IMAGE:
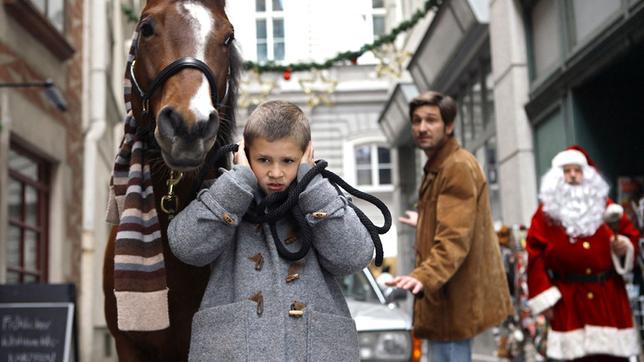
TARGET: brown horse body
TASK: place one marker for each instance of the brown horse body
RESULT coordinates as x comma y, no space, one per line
186,126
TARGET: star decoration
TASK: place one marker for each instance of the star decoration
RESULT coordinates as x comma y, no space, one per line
254,89
318,89
392,60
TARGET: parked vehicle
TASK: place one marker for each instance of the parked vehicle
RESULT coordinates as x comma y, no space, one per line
384,329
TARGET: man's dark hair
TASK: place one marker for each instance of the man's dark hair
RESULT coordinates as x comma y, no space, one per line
445,104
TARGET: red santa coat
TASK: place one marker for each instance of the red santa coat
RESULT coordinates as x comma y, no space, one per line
589,317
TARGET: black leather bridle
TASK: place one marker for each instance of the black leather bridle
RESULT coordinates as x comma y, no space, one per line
172,69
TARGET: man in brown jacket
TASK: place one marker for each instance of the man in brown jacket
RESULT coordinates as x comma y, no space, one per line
459,281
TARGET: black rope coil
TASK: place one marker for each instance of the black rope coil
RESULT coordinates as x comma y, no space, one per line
284,204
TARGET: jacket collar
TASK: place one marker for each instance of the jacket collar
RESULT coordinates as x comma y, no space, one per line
436,161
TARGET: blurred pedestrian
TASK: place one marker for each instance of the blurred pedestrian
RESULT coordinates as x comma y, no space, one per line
574,264
459,281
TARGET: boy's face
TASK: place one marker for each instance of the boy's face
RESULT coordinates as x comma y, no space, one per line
274,164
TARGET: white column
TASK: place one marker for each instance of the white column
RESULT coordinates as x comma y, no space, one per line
94,113
514,135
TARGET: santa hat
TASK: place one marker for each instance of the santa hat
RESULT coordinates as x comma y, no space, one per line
573,155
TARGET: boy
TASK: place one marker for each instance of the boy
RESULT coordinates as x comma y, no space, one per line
259,306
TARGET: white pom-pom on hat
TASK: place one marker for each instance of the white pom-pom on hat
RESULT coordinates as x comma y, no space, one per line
569,157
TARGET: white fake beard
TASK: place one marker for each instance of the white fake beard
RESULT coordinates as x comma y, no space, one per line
579,208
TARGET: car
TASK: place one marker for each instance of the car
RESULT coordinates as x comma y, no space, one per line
384,329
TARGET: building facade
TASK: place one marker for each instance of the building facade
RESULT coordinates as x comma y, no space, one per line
342,103
530,77
41,142
57,145
107,41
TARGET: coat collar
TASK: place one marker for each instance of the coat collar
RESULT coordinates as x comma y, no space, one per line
435,163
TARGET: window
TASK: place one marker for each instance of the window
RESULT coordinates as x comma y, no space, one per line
546,36
476,115
54,10
269,30
28,209
373,165
378,17
592,14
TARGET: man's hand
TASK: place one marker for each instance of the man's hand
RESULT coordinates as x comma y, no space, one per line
619,245
548,314
240,157
307,157
410,218
406,282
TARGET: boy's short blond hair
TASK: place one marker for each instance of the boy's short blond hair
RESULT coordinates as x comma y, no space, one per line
275,120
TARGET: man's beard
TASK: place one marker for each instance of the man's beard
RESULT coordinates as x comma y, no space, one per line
579,208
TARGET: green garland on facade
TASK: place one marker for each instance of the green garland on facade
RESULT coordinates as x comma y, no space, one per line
348,56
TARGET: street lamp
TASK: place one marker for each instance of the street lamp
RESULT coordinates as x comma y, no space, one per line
52,92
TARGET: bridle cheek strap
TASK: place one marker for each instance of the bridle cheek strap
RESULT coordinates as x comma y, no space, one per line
172,69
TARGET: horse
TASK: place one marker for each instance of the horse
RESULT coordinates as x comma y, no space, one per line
185,77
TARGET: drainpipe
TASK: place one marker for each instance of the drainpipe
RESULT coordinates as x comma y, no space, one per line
95,26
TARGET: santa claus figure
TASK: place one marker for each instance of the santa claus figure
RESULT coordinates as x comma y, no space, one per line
575,263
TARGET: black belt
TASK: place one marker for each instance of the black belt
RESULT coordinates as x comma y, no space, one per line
582,278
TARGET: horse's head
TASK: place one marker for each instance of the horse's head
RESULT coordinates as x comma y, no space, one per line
184,78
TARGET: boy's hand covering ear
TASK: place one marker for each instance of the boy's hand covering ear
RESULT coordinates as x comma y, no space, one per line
307,157
240,157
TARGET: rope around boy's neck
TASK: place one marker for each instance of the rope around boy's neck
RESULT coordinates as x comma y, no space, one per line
285,203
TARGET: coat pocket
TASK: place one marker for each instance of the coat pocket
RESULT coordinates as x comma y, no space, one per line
220,333
331,338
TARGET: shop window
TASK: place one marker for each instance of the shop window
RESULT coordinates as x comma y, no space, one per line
269,30
550,138
373,165
28,202
475,99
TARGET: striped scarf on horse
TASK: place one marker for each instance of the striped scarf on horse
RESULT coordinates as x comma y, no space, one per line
139,269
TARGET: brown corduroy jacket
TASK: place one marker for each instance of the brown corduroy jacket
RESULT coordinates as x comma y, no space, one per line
457,253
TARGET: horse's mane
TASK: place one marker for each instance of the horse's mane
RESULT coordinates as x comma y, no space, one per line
228,122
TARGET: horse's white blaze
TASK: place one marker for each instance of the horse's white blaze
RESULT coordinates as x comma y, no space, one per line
202,24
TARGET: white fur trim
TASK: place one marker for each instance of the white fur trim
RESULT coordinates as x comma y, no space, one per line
593,340
544,300
628,261
142,311
569,157
613,212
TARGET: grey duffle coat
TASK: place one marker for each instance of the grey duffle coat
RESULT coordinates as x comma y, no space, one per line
259,306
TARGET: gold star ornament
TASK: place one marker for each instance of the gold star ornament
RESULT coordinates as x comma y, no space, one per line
391,60
254,88
318,89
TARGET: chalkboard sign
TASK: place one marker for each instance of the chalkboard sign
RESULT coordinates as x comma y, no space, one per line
37,323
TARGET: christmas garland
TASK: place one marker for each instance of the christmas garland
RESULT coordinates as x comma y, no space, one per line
347,56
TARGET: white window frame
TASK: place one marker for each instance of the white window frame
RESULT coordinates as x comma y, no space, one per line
376,12
268,16
351,169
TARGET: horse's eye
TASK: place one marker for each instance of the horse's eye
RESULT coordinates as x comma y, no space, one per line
229,39
147,29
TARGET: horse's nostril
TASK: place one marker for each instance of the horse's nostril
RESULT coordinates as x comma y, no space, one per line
169,122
